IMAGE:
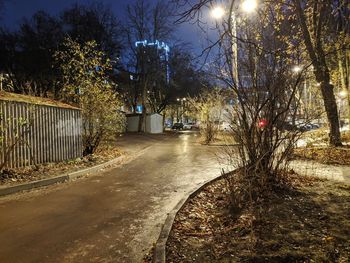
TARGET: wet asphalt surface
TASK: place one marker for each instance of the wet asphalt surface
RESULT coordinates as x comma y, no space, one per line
114,216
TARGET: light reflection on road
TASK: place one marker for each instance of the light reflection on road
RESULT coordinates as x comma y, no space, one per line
185,143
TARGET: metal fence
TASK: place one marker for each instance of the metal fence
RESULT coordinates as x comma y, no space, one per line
38,133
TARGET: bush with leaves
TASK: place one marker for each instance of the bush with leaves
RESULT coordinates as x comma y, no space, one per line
85,82
209,107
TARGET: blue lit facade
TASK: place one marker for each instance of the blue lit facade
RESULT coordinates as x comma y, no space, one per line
163,51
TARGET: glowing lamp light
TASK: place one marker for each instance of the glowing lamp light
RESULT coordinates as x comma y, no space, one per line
249,6
262,123
218,12
297,69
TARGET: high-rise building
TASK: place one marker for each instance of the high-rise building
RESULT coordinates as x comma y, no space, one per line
153,58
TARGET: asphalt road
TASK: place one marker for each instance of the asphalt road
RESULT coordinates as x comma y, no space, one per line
111,217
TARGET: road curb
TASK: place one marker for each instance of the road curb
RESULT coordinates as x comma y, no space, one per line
159,253
94,169
31,185
58,179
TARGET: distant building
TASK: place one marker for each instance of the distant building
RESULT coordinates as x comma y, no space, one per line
153,57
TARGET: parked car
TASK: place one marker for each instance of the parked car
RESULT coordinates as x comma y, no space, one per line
188,126
195,126
167,125
178,126
308,127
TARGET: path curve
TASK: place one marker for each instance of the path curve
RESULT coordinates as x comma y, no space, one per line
113,217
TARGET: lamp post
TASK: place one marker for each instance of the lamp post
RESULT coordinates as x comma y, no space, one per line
177,110
248,6
183,110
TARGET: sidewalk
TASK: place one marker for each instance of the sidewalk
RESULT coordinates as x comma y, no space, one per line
325,171
131,144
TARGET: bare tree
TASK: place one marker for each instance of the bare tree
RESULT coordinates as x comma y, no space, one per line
312,34
340,31
94,22
151,24
263,93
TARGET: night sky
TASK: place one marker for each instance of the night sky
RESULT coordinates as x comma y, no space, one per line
15,10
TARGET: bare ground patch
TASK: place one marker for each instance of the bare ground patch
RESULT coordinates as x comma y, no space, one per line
309,222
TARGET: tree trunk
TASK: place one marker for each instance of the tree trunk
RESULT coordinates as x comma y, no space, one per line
142,123
321,71
332,113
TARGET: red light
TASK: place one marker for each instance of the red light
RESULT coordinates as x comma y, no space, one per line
262,123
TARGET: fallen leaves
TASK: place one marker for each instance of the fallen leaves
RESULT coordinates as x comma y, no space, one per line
307,224
327,155
48,170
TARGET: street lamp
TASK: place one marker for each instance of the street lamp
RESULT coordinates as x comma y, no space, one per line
297,69
248,6
218,12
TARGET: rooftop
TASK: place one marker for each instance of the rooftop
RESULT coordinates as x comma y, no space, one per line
8,96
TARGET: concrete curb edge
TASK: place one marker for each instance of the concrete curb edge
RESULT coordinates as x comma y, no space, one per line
58,179
94,169
159,253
